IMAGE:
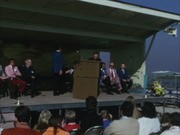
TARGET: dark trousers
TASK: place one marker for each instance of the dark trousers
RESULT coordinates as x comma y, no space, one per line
31,84
59,84
107,83
126,85
3,88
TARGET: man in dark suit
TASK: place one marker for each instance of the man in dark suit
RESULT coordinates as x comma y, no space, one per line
105,79
57,70
125,79
95,57
28,75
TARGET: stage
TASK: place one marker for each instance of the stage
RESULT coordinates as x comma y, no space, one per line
47,101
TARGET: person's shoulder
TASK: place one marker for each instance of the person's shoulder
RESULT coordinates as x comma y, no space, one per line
9,131
62,132
35,132
167,132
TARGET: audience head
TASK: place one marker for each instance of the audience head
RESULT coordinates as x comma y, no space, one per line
127,109
149,110
131,99
123,66
23,114
111,65
44,116
91,102
95,55
105,115
175,119
165,121
70,116
55,121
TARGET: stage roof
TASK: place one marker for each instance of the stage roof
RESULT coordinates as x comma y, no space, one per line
93,23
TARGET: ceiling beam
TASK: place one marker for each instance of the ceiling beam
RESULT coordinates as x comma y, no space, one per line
76,16
68,31
134,8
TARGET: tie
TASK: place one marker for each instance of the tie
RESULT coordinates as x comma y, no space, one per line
112,75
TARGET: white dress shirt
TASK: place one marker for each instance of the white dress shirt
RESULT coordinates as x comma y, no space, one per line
174,130
148,125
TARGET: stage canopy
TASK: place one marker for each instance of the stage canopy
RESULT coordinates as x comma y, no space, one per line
93,23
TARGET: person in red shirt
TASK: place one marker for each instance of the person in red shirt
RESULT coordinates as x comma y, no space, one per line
70,117
23,115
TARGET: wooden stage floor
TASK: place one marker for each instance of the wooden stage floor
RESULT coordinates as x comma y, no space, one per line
47,101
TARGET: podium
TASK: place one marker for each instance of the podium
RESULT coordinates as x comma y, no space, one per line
86,75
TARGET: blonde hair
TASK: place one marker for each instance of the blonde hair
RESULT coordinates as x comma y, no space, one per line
70,115
44,116
105,115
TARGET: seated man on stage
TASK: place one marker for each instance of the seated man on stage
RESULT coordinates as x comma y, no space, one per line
125,79
28,75
105,79
112,73
14,75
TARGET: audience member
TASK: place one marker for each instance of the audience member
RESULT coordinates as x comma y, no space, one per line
1,129
90,118
112,73
28,75
70,124
165,121
136,113
126,125
42,124
107,118
95,57
23,115
14,75
175,125
57,70
105,79
125,79
55,127
149,123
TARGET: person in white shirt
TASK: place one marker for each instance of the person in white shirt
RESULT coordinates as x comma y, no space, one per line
126,125
175,125
148,123
1,129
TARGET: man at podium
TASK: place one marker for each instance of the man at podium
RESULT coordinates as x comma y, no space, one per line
95,57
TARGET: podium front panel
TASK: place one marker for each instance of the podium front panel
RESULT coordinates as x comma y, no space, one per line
84,87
